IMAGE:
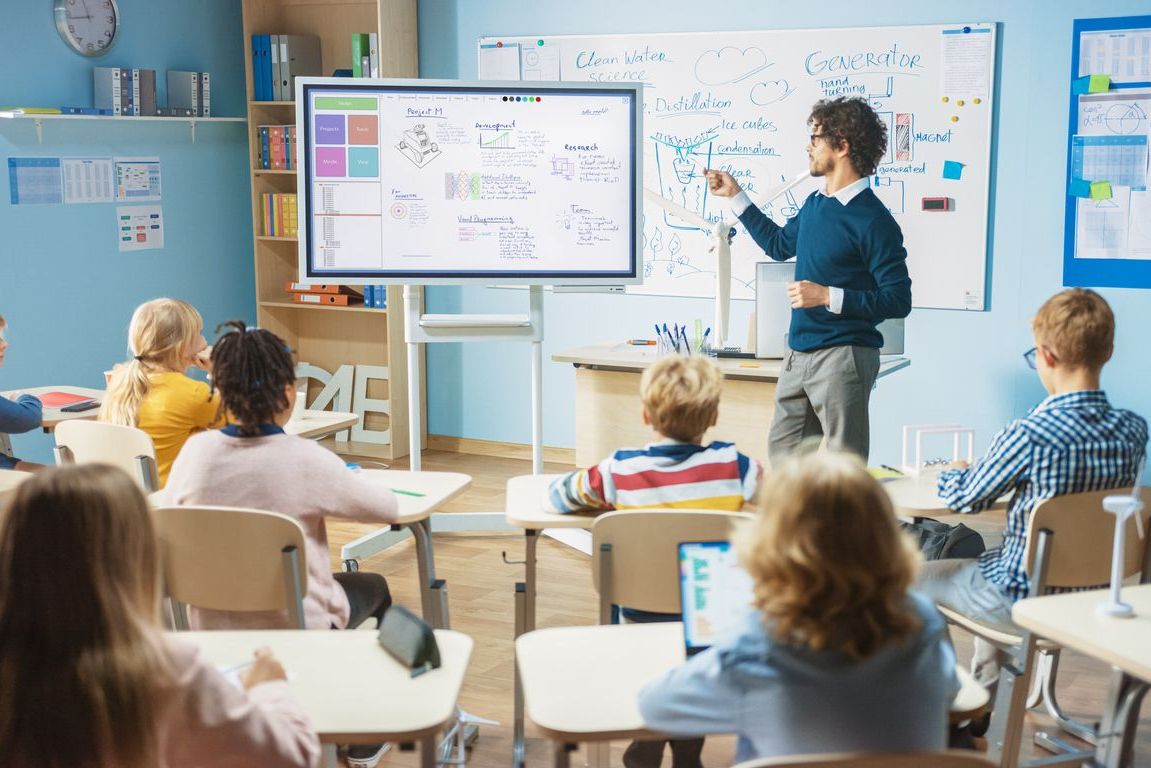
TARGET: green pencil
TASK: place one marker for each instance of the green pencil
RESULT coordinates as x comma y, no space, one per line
402,492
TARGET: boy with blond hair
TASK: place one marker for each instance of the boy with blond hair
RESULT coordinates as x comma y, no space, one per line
681,402
1072,442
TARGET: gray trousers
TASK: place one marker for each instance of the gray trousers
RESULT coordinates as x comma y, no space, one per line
961,586
824,394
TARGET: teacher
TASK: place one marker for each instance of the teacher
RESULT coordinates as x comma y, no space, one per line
851,274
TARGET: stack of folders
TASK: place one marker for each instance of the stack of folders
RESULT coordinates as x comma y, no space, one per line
376,296
277,147
189,94
324,295
121,91
365,54
279,214
277,60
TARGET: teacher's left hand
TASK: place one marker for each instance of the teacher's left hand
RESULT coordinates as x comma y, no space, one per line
804,294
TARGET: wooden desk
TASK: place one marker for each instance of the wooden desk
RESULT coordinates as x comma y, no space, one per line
607,408
582,683
317,424
1073,621
350,688
918,496
437,488
53,416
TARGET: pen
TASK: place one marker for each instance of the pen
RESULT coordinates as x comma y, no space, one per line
890,469
683,335
402,492
640,342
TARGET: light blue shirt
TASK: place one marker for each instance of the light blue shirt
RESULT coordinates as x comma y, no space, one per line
784,700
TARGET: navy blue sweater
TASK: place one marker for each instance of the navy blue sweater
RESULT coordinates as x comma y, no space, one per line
857,247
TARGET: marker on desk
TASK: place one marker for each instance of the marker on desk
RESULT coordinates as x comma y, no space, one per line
890,469
749,365
641,342
402,492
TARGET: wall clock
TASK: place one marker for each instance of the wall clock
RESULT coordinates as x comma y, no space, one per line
88,26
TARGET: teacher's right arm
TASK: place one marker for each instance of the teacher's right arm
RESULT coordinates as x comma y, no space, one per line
776,241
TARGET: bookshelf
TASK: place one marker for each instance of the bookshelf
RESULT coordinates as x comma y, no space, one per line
328,336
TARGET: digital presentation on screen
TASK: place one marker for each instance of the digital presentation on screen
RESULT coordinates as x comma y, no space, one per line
469,182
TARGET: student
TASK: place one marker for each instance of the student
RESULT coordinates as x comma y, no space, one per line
88,678
850,274
18,413
836,655
1073,441
151,391
681,402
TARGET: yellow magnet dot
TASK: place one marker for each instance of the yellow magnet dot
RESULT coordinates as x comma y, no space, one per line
946,99
955,118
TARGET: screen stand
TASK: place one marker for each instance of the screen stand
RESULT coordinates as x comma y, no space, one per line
422,328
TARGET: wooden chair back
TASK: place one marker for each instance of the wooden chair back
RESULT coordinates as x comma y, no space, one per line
229,559
90,442
635,554
1082,538
952,758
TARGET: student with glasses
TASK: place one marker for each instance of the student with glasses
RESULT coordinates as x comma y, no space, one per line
1072,442
850,275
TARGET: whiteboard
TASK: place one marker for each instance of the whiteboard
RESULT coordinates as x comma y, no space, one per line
427,181
739,101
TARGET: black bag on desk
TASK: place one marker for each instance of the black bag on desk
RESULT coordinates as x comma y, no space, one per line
409,639
940,541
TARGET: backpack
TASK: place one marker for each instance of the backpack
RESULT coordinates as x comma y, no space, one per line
940,541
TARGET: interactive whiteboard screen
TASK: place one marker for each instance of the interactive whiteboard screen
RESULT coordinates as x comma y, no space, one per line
426,182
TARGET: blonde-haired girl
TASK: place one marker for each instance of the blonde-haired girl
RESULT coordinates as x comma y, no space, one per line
836,654
151,391
88,677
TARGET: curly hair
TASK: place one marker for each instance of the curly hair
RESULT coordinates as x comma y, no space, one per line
830,567
852,119
252,369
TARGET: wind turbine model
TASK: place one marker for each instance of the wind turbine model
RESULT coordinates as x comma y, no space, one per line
1122,507
721,233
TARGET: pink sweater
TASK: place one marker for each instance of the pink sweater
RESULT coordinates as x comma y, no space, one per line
210,722
286,474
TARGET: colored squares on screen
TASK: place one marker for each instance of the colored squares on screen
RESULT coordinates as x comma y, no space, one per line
363,129
330,129
363,162
330,161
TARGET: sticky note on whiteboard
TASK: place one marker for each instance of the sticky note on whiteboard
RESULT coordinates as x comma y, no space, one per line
1098,83
1100,190
952,169
1079,188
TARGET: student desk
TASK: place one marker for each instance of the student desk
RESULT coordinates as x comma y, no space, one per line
10,480
1073,621
918,496
350,688
608,408
582,683
53,416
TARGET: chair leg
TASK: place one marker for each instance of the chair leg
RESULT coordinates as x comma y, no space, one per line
1049,668
1038,680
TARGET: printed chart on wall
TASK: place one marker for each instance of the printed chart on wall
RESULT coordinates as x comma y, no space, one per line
739,102
1108,212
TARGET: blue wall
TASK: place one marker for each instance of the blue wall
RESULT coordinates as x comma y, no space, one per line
966,367
67,292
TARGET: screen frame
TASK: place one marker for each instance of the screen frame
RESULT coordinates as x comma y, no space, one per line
304,85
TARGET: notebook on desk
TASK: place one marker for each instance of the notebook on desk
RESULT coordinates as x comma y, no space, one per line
60,399
714,592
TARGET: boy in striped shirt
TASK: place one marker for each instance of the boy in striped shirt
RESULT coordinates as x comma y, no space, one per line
1072,442
681,402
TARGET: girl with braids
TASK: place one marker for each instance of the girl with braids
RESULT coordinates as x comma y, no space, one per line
88,678
253,463
151,391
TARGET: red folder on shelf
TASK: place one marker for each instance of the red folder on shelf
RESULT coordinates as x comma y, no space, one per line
60,399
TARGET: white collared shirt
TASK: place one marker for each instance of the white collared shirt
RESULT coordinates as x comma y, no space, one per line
844,195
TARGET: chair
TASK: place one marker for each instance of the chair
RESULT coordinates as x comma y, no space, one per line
952,758
1069,545
89,442
228,559
629,547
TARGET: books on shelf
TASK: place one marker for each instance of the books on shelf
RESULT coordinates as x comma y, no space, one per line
331,294
278,59
277,150
279,214
376,296
123,91
191,91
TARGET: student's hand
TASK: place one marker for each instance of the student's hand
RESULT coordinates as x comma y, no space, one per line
804,294
721,184
203,359
265,669
957,464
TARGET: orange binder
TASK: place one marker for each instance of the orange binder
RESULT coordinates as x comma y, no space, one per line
291,287
326,299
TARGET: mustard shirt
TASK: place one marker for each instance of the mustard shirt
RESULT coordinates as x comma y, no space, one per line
176,407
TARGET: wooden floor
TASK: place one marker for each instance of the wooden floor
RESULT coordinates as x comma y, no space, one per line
480,590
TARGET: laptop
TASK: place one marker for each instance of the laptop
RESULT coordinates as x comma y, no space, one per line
714,592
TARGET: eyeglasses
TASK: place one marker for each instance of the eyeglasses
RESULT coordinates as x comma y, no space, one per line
1029,356
813,136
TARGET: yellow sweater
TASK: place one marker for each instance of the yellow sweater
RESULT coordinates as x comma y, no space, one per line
176,407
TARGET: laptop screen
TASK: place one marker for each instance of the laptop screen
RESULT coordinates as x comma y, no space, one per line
714,592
